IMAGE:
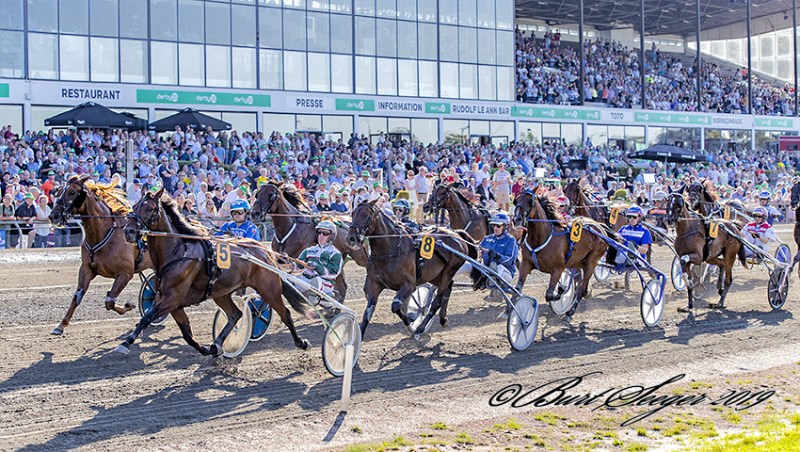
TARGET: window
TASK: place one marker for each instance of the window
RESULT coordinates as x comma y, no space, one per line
407,78
218,66
104,18
341,34
486,13
318,5
407,39
365,36
12,17
505,83
300,4
448,11
166,71
133,61
308,123
448,43
163,19
338,124
427,36
190,21
426,11
74,52
505,48
294,34
407,10
270,28
218,23
425,131
12,115
487,82
294,69
341,6
387,76
42,16
135,23
365,75
505,14
318,32
278,123
319,72
386,37
244,25
105,59
428,79
12,64
365,7
341,73
468,45
388,8
448,76
468,81
271,64
244,68
191,59
467,13
73,16
486,47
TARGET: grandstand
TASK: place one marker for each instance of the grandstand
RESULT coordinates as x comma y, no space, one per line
433,70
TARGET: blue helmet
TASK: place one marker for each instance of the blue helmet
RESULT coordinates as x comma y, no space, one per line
634,210
403,204
500,218
760,211
240,204
765,195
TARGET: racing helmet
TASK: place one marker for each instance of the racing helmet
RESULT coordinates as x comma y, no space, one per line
761,211
499,218
240,204
402,204
564,201
634,210
327,225
765,194
659,196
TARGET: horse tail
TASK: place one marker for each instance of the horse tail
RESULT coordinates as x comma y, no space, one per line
295,299
742,255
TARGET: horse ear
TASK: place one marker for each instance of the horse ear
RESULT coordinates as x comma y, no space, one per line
278,184
82,179
159,193
144,190
373,202
682,190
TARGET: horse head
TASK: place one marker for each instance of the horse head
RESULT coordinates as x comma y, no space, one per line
572,191
266,195
676,205
69,200
523,205
363,222
437,199
145,216
795,198
696,195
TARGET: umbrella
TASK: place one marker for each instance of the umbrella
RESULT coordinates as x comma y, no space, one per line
92,115
189,117
138,123
667,153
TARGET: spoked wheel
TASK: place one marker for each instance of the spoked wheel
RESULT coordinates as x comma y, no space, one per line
652,303
601,271
419,303
676,275
147,299
238,338
343,331
699,280
783,254
262,318
522,323
568,284
778,288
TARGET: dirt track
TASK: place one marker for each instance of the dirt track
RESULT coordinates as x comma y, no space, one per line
75,392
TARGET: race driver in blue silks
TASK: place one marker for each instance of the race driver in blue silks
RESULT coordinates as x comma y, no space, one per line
500,249
240,226
636,236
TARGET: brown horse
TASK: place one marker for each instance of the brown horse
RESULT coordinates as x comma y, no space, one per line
464,214
101,209
694,246
584,206
795,205
549,249
294,226
394,263
184,262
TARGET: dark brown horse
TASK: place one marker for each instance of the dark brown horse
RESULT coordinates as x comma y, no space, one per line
584,206
549,249
294,226
102,209
694,246
464,214
184,262
795,205
394,262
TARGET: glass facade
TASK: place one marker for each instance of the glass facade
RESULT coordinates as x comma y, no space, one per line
460,49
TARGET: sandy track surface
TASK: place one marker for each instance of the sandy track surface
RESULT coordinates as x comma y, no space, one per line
75,392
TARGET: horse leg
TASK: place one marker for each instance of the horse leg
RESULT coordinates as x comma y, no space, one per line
442,296
278,307
85,276
340,286
372,289
686,264
730,259
186,330
550,294
525,268
233,313
444,303
160,308
399,302
120,282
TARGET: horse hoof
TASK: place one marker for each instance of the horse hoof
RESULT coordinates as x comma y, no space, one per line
214,350
685,309
122,349
551,297
443,322
129,306
716,306
205,350
57,331
397,307
304,344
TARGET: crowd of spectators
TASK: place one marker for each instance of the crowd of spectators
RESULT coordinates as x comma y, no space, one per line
206,171
548,71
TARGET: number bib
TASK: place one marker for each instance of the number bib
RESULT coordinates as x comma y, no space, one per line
613,217
223,255
713,229
576,231
426,247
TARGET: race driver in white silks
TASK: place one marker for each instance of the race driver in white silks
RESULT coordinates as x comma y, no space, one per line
323,262
759,232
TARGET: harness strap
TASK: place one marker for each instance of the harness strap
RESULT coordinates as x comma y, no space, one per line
286,237
102,243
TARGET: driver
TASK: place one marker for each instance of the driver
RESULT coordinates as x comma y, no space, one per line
402,210
759,232
500,249
636,236
323,261
763,201
240,226
563,208
658,212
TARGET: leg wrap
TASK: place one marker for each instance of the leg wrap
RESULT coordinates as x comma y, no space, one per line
79,296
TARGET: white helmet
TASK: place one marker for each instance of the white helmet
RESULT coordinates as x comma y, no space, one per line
328,226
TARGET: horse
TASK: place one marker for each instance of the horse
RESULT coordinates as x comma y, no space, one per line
584,206
102,209
294,226
694,246
464,214
703,198
548,247
187,274
795,205
394,263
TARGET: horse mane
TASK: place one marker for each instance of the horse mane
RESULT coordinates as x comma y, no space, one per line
295,198
113,197
709,191
550,208
183,225
462,197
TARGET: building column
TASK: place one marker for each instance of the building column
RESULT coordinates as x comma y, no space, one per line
440,122
26,117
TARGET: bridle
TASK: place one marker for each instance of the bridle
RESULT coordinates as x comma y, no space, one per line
361,231
68,210
143,226
266,207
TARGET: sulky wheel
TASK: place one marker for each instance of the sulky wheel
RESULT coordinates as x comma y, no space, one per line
652,303
343,331
147,299
778,288
522,323
676,275
262,317
419,304
783,254
239,336
601,271
567,286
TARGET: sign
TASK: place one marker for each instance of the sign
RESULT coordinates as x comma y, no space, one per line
355,104
713,229
672,118
568,114
90,94
166,96
480,109
576,231
616,115
5,91
223,255
788,143
427,246
309,103
437,108
613,217
400,106
782,123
